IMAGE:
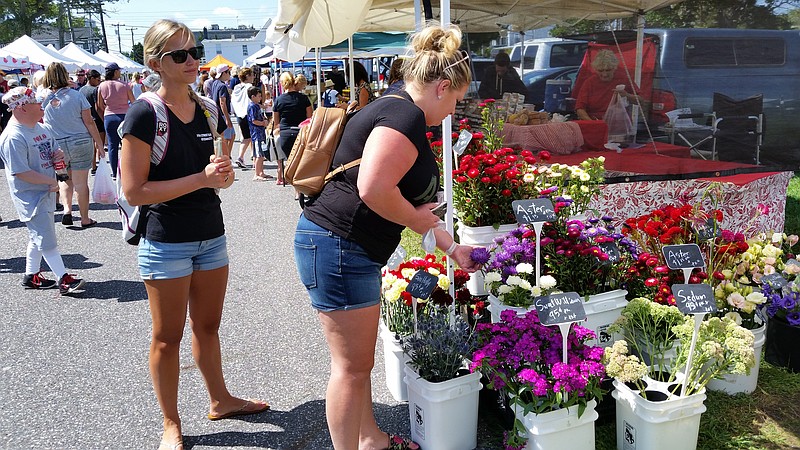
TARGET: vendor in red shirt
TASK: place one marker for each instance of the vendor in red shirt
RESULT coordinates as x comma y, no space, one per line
595,94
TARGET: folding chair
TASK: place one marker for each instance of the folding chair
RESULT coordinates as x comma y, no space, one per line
739,128
682,125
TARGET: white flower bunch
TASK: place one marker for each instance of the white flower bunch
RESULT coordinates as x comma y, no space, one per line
517,290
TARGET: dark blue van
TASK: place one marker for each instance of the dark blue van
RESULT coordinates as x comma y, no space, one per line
694,63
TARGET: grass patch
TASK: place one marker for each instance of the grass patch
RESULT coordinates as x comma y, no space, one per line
792,223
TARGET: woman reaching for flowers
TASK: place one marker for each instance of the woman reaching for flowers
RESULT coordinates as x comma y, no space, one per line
349,231
183,257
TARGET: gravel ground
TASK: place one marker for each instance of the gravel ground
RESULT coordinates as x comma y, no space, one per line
73,370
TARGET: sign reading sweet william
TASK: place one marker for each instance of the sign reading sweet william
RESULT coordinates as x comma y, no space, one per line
683,256
694,298
533,210
554,309
422,284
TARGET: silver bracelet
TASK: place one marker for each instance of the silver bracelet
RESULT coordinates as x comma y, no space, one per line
451,249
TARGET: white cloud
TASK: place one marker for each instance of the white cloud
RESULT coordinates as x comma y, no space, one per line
199,24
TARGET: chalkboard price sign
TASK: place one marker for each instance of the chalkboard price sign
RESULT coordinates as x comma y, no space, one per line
775,280
397,258
534,210
792,262
683,256
422,285
708,230
463,140
694,298
554,309
610,249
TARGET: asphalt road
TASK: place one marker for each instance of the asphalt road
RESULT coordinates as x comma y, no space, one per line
73,370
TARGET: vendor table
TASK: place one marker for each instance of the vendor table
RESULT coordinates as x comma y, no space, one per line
750,202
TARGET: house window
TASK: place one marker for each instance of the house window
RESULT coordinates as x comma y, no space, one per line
219,49
244,50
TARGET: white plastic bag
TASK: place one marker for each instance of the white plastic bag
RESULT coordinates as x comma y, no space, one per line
620,127
104,191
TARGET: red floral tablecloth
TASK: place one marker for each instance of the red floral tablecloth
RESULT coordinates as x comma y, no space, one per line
758,205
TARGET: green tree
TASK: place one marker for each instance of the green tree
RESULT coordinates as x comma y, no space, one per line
136,53
764,14
24,16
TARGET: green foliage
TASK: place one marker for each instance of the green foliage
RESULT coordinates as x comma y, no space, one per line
792,225
24,16
766,14
136,53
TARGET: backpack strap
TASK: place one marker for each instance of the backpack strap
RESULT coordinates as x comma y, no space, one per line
161,139
342,167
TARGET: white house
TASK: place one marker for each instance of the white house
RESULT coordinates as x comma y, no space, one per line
236,47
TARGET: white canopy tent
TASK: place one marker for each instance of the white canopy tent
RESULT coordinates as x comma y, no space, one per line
13,61
39,54
91,61
263,56
122,61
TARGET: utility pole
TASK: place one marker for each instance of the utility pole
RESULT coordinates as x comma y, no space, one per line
119,39
131,30
102,24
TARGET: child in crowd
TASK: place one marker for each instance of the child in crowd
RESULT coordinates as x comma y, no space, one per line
257,133
27,149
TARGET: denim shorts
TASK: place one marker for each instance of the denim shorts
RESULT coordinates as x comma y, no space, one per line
79,151
229,133
260,149
168,260
337,273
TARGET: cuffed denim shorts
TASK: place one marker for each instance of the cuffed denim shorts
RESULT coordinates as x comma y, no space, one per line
168,260
229,133
337,273
79,150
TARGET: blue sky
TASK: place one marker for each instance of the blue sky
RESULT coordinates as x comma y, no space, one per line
140,14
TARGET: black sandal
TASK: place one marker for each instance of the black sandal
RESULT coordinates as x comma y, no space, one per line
398,443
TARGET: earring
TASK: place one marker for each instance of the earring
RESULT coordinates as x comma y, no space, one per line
439,97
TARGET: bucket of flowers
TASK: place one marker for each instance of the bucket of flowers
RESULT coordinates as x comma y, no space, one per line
397,314
440,387
654,402
553,400
782,306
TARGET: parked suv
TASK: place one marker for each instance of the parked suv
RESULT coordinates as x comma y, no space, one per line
546,53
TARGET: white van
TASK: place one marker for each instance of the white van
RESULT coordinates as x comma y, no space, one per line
546,53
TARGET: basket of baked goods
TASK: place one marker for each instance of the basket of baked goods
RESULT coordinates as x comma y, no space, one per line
528,117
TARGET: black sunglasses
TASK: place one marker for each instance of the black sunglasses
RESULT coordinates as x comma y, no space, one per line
179,56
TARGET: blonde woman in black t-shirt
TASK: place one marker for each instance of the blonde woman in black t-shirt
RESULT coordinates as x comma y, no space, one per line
182,257
348,232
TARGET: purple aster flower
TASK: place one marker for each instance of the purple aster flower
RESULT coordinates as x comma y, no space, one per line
480,255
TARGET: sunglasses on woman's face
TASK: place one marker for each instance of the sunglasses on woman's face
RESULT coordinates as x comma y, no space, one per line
179,56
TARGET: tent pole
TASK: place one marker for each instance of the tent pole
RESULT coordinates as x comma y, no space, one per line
417,15
319,77
637,71
447,154
352,79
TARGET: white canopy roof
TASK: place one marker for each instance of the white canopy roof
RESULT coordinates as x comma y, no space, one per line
303,24
262,56
122,61
11,61
90,61
39,54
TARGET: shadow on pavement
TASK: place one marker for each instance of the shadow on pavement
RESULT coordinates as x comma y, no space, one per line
120,290
303,428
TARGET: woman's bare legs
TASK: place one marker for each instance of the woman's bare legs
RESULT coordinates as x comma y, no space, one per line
351,337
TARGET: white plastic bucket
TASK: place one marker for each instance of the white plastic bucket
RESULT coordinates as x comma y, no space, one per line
734,384
444,416
673,424
602,310
394,364
496,307
561,429
482,236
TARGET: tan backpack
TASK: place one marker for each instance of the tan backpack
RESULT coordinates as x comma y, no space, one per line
308,166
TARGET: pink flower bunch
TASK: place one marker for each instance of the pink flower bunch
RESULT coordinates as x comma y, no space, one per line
524,357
